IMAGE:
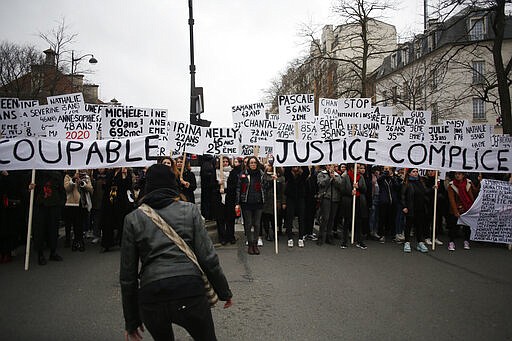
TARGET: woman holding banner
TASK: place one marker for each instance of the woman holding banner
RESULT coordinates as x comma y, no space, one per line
188,182
219,199
414,201
461,197
250,197
329,193
350,191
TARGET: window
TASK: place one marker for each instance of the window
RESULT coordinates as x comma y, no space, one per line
477,28
405,56
435,114
393,61
478,71
433,78
405,91
478,109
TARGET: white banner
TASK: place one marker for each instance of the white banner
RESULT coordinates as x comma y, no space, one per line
398,154
490,217
42,153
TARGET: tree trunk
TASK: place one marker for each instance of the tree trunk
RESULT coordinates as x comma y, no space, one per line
501,77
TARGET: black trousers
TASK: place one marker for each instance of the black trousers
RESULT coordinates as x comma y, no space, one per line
192,313
46,227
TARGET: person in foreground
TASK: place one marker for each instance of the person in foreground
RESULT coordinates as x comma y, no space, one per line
167,287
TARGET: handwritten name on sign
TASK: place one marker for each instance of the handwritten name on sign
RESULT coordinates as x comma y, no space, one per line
221,141
478,136
10,125
296,108
248,111
121,121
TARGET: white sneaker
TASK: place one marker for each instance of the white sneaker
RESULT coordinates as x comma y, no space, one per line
290,242
300,243
438,242
428,241
260,241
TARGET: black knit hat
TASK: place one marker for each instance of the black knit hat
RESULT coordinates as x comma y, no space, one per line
160,176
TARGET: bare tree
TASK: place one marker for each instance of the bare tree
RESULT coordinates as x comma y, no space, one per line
494,11
15,62
360,44
59,40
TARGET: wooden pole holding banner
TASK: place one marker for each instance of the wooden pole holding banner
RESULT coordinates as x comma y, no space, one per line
30,214
354,205
221,174
434,221
184,157
275,208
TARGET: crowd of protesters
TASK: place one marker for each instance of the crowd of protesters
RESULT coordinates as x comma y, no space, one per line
377,203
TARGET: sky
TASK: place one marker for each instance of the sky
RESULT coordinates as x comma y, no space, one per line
142,47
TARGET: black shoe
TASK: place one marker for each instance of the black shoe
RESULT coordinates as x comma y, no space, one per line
104,249
362,245
343,245
233,241
41,260
74,246
55,257
223,243
81,246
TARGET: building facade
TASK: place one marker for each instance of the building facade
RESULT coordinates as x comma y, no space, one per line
449,70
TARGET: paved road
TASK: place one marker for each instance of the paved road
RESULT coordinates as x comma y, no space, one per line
315,293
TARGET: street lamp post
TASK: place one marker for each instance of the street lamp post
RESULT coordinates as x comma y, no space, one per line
196,93
74,60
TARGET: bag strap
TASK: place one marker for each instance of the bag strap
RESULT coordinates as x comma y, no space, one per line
171,233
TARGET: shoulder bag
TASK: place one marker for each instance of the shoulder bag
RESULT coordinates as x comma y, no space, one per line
169,232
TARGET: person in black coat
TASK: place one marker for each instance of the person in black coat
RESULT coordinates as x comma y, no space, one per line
49,199
187,182
230,204
295,200
389,194
115,206
414,206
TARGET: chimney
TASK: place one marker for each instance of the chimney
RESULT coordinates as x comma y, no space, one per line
50,57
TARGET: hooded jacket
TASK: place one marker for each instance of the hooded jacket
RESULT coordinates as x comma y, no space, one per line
160,258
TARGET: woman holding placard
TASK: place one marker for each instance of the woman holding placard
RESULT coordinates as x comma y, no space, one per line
250,198
461,197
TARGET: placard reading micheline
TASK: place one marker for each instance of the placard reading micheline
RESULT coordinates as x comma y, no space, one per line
65,134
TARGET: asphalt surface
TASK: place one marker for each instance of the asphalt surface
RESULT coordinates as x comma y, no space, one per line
314,293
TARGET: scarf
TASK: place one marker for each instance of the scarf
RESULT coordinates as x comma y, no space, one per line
465,199
350,174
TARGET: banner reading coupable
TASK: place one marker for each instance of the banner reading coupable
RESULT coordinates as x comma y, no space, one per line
42,153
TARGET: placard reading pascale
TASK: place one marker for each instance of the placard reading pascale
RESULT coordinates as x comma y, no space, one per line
296,108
